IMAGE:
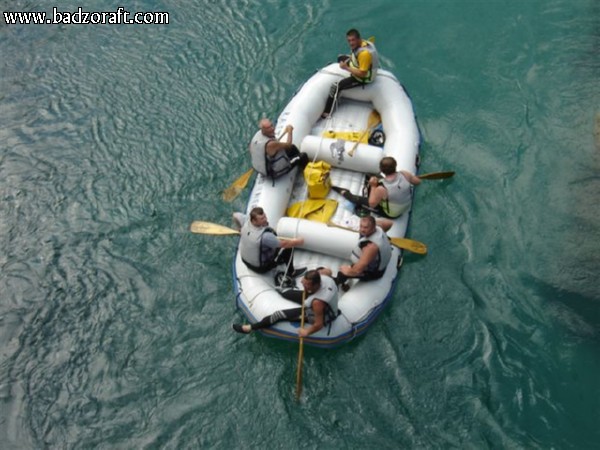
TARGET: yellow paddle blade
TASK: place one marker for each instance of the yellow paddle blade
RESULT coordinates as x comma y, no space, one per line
410,245
214,229
436,175
371,39
238,186
200,227
373,120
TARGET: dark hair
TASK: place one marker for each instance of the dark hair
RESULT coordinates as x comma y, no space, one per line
370,219
387,165
255,212
353,32
313,276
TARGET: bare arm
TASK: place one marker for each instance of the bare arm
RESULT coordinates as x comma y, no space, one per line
289,243
318,308
325,271
384,224
412,179
377,195
364,63
376,192
274,146
369,252
353,70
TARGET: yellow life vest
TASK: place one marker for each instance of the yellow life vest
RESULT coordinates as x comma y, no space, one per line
366,46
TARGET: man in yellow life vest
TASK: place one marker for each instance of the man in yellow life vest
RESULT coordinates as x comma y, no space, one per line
362,64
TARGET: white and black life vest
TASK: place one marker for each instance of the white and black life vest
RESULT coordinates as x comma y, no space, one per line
384,251
271,166
328,293
399,196
255,254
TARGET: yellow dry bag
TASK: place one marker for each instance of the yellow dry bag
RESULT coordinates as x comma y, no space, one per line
316,175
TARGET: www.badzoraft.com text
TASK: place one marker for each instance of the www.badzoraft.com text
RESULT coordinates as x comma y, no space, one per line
81,17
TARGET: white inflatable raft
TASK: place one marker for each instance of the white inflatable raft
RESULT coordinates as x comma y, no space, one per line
324,245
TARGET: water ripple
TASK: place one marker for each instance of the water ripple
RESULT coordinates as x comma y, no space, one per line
115,320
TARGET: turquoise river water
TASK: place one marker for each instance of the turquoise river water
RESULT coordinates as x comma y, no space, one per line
115,320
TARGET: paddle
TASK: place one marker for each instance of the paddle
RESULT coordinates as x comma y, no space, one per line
200,227
372,122
214,229
406,244
240,184
436,175
300,352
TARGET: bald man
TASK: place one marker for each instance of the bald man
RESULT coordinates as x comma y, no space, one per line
272,158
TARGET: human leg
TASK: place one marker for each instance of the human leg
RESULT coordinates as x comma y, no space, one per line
286,256
292,314
341,278
345,83
294,295
297,158
278,316
361,202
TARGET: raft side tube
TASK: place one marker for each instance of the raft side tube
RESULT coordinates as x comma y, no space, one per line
318,237
365,158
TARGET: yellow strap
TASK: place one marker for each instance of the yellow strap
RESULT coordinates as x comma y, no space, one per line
351,136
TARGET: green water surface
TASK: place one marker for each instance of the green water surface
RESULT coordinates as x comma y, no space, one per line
115,320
